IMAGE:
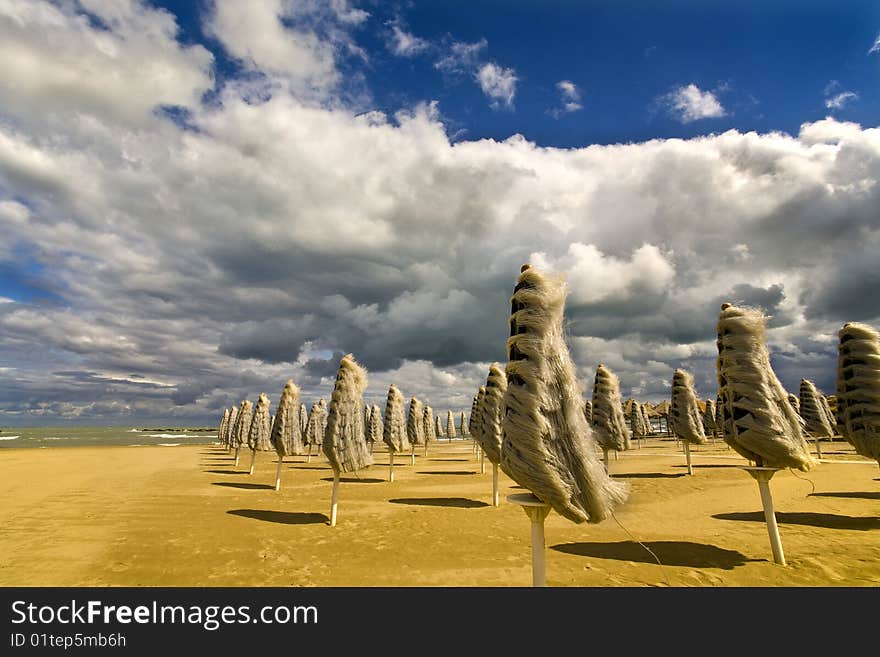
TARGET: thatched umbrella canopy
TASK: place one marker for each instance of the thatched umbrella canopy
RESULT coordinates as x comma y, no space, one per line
491,411
817,422
858,387
303,418
475,404
221,430
476,426
286,435
795,402
643,409
260,432
439,427
637,423
428,424
609,423
344,444
684,415
588,411
709,418
415,423
242,424
450,425
375,434
547,445
394,431
316,423
230,426
462,424
758,421
719,416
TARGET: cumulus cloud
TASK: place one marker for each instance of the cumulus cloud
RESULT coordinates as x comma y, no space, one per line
689,103
498,83
189,267
405,44
570,98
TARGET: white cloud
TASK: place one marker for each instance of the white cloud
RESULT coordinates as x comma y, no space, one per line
461,57
689,103
498,83
405,44
570,97
838,101
876,46
828,131
55,60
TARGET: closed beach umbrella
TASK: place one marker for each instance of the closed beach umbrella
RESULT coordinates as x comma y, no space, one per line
817,420
315,426
450,425
439,427
303,418
394,430
375,426
684,413
344,444
709,418
415,426
759,422
609,423
462,424
858,387
259,435
588,411
547,445
491,415
428,426
795,402
221,430
242,426
286,436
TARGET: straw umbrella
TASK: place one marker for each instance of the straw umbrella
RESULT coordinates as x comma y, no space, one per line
684,413
795,402
476,426
375,426
286,434
260,430
242,426
428,424
438,425
759,422
547,445
394,430
415,426
588,411
230,425
344,444
462,424
491,414
303,418
709,420
609,423
637,422
858,387
221,430
817,423
450,426
315,426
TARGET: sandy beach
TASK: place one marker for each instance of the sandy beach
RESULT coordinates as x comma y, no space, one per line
184,516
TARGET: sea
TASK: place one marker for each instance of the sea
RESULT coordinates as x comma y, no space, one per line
42,437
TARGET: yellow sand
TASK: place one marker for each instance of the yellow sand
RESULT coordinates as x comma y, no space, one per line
181,516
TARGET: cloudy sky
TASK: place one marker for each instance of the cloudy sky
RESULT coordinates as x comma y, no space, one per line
201,200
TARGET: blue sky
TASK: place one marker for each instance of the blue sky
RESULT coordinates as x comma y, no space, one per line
771,65
216,196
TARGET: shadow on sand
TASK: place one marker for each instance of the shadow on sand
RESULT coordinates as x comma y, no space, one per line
448,472
311,467
356,480
235,484
828,520
649,475
226,472
670,553
709,465
457,502
282,517
451,460
859,495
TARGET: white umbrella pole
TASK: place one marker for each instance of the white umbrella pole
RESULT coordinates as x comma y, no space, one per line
309,455
763,476
482,463
494,484
426,450
687,455
278,474
536,510
236,457
391,468
818,448
253,460
334,498
412,455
